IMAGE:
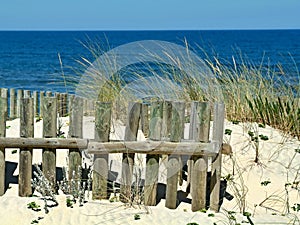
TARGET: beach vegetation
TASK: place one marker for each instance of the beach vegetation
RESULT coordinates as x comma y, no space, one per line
260,93
14,151
34,206
137,217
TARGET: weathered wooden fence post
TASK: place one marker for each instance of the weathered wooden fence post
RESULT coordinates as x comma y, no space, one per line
166,123
12,103
134,112
20,95
42,96
152,161
25,160
145,120
3,116
49,131
199,131
75,131
64,104
58,100
102,131
217,139
35,103
174,164
27,93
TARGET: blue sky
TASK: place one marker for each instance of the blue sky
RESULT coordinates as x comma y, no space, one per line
148,14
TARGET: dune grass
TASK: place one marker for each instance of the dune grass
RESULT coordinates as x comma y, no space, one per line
251,93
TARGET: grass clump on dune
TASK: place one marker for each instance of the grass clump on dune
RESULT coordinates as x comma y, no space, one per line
251,93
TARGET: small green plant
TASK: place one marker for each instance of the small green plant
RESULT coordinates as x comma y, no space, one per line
14,151
228,131
251,133
69,202
235,122
297,150
7,127
203,210
33,206
296,207
211,215
263,137
114,199
265,183
137,217
261,125
192,223
34,222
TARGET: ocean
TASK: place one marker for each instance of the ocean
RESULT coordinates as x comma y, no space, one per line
29,59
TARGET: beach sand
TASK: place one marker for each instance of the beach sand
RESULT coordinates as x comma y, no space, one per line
264,189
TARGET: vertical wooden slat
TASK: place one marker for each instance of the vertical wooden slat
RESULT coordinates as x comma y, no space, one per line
42,96
64,104
102,131
27,94
25,160
48,94
58,99
134,111
75,131
49,131
35,103
166,123
199,131
145,120
20,95
174,164
3,116
217,139
152,161
12,103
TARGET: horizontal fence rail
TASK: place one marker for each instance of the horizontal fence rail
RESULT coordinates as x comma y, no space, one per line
98,148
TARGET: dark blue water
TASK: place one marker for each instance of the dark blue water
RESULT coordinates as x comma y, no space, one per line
29,59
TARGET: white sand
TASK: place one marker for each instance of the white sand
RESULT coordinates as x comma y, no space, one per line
278,163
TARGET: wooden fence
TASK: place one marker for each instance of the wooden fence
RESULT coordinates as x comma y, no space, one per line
14,97
164,123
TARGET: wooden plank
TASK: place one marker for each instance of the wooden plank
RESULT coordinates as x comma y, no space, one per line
174,163
27,93
36,103
145,120
58,100
166,122
152,161
20,94
64,104
49,131
52,143
198,183
102,132
134,111
42,96
3,116
12,103
25,158
75,131
199,131
217,139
